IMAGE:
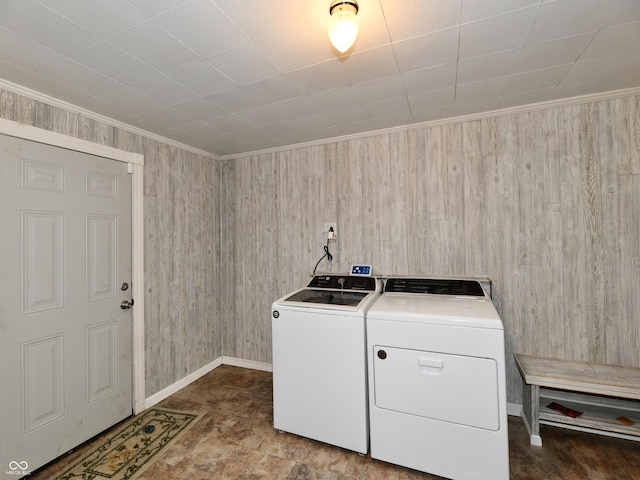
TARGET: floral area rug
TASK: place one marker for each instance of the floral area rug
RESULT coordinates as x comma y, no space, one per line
127,452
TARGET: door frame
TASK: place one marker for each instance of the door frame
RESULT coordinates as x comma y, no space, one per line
135,166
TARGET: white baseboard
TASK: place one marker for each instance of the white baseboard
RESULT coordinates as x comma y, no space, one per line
514,409
180,384
192,377
239,362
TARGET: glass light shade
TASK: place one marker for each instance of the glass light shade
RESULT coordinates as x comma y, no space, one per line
343,26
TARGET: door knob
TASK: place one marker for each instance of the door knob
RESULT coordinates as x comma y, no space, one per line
126,305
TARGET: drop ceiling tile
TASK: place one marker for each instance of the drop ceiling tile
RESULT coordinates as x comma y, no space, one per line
369,65
21,52
427,50
20,76
153,46
244,64
235,100
600,68
431,99
483,105
536,80
554,52
562,18
431,78
496,34
414,18
319,77
163,89
129,99
526,98
57,90
397,107
109,60
295,48
614,40
228,123
480,9
390,121
357,127
620,11
102,18
41,25
78,77
487,66
274,89
257,18
168,116
286,132
201,108
316,122
484,89
296,107
431,114
350,114
154,7
586,87
110,110
634,66
336,98
202,27
260,116
199,128
201,77
379,89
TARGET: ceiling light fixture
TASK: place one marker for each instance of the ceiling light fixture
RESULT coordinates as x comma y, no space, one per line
343,26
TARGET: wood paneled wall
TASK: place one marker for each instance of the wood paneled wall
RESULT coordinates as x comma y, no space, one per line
182,254
545,203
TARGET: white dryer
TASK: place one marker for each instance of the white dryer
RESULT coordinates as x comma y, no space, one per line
320,361
437,389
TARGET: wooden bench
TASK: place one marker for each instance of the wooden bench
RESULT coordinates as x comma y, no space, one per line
607,395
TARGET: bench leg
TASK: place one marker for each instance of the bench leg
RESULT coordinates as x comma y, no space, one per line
531,412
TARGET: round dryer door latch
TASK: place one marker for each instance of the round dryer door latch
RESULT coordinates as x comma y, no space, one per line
382,354
275,314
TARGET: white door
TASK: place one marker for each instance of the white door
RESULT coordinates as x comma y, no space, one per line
65,341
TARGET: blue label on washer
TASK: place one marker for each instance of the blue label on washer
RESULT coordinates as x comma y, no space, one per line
361,270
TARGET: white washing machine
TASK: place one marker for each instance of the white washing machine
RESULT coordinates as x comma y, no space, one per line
437,388
320,362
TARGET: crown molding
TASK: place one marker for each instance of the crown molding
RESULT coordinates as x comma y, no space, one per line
55,102
532,107
593,97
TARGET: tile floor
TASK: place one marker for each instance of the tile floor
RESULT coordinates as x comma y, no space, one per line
235,440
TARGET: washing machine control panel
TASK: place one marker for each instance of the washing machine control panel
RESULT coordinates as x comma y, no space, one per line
361,270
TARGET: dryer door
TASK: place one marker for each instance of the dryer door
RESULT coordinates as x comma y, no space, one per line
440,386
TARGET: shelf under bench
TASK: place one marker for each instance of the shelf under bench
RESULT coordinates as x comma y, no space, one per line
604,393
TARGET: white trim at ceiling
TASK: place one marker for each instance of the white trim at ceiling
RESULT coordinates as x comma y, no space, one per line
135,163
592,97
54,102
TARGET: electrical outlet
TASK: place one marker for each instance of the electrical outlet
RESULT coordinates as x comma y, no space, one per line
330,231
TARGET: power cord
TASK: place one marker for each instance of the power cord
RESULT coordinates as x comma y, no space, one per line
327,254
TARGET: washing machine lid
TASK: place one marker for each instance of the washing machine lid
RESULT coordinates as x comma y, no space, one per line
436,301
327,297
341,292
435,286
